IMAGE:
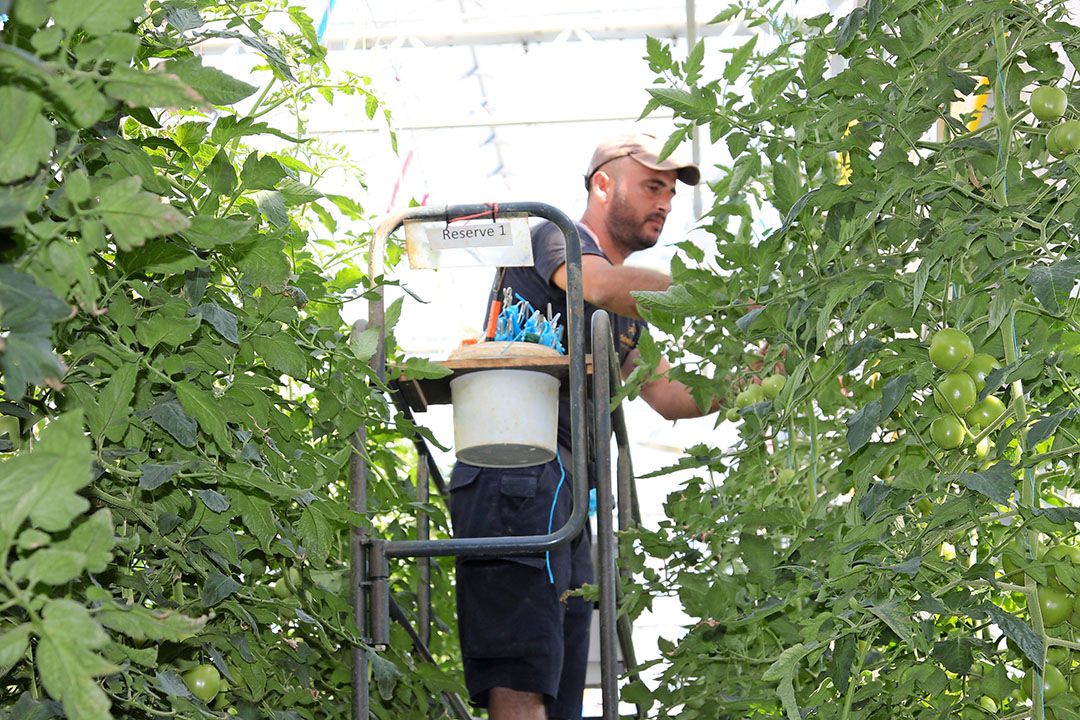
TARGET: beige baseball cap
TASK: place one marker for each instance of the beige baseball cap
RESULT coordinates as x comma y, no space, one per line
645,149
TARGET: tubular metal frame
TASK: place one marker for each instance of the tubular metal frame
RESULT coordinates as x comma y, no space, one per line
372,605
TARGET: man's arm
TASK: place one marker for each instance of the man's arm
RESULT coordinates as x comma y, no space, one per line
669,398
608,286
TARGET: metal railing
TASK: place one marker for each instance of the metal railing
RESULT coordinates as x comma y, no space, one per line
373,608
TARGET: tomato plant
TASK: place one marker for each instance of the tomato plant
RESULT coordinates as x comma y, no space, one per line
887,199
172,276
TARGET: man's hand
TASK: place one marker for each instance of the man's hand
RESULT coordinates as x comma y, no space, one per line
669,398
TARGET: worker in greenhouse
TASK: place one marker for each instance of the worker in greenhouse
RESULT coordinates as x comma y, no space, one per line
525,646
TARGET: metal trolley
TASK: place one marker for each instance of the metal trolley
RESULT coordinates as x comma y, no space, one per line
372,605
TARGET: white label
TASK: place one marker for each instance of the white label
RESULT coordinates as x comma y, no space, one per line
479,242
470,234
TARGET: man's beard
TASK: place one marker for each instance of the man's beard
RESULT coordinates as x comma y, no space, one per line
627,228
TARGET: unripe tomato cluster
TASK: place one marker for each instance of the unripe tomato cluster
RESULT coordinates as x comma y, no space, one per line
769,388
1058,605
1049,104
956,391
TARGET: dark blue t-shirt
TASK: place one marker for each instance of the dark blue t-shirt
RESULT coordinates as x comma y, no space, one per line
535,285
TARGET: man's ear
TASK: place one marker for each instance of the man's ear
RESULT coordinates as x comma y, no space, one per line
602,185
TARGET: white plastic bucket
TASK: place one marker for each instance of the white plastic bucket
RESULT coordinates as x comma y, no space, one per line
505,418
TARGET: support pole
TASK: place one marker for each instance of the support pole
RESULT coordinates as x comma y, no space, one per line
605,530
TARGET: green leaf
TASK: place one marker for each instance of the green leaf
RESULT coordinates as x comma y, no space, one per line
955,654
94,539
848,28
757,552
1044,427
139,623
67,664
315,533
748,319
215,86
861,425
133,215
140,88
272,205
1018,631
41,484
213,500
385,674
154,475
676,300
163,330
418,368
26,137
208,233
282,354
218,587
783,671
997,482
160,258
51,566
843,656
170,416
258,517
220,175
28,311
97,17
893,394
13,646
294,192
898,618
734,67
109,417
1051,283
364,344
202,406
222,320
264,263
261,173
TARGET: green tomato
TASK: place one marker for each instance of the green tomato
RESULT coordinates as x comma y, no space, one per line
1057,655
1059,555
986,412
947,432
1055,142
982,449
1048,103
750,396
1053,683
772,385
924,506
1069,136
733,415
955,393
980,366
203,681
1074,683
1056,606
951,349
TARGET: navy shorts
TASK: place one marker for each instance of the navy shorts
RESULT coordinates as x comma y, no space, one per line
516,629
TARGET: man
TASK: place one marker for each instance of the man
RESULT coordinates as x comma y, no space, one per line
524,646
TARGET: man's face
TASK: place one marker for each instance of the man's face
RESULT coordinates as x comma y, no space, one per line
639,204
